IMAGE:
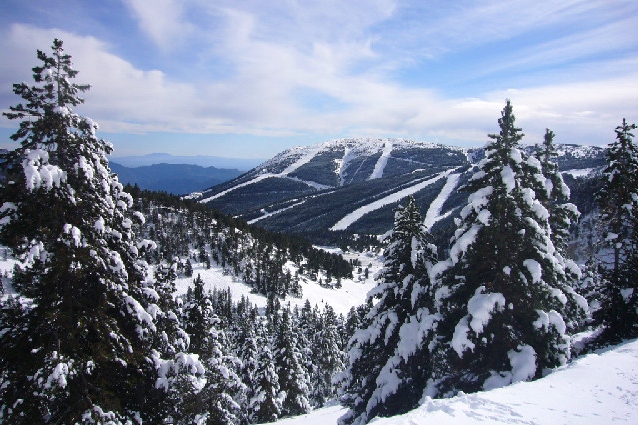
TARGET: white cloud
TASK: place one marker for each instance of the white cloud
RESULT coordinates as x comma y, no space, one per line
161,20
307,68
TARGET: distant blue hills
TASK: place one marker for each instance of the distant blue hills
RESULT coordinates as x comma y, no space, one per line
179,175
178,179
241,164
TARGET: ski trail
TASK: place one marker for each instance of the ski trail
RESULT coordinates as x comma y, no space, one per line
270,214
222,193
434,212
382,161
346,221
292,167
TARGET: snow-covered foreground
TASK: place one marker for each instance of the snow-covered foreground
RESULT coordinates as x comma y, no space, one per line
597,389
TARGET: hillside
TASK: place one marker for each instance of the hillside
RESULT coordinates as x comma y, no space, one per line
351,186
595,389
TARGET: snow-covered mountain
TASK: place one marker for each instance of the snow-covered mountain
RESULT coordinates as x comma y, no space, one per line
353,185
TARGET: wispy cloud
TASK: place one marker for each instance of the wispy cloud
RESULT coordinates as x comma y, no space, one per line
161,20
335,68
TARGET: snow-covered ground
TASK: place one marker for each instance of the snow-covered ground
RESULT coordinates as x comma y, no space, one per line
597,389
352,292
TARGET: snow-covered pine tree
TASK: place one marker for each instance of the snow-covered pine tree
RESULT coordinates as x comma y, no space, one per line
562,214
382,377
83,352
618,200
215,403
265,405
249,356
503,287
171,342
327,355
223,384
293,379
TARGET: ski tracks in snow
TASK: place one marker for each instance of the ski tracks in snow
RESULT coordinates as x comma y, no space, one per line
349,219
434,212
379,167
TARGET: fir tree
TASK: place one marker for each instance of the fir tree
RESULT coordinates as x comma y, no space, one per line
265,405
82,351
216,403
328,355
504,287
618,200
378,380
293,379
562,214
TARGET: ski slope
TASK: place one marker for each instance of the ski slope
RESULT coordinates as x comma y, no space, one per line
597,389
352,217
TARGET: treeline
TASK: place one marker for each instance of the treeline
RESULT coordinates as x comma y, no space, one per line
186,231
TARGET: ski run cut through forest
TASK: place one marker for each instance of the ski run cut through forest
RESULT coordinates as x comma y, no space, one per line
120,306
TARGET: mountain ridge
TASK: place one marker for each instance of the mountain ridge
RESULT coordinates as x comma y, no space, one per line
312,190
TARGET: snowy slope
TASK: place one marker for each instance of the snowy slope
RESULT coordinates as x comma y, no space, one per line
352,293
597,389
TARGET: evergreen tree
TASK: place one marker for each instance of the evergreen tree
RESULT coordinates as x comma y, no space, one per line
504,287
82,350
293,379
562,214
618,200
249,356
328,355
223,384
379,379
265,405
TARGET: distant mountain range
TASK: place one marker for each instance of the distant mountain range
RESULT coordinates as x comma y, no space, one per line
241,164
178,179
352,185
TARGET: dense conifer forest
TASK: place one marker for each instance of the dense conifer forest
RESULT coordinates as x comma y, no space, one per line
91,329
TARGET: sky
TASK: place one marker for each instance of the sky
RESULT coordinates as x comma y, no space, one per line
251,78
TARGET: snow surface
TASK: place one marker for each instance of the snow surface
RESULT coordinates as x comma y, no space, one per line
352,292
580,172
379,167
434,212
597,389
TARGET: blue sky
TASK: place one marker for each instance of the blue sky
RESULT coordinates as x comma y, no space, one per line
251,78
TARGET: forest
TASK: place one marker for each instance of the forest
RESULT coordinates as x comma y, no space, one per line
91,331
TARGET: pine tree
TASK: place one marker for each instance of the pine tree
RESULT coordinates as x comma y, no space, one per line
328,355
293,379
265,405
82,351
618,200
503,287
223,384
378,380
249,356
216,402
562,214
